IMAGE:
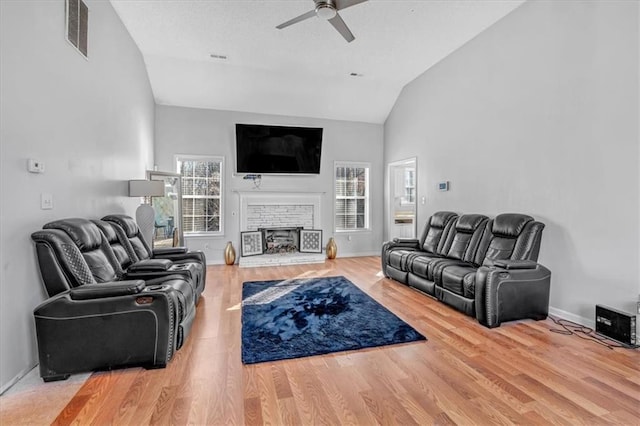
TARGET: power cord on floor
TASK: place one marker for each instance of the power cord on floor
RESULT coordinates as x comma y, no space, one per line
569,328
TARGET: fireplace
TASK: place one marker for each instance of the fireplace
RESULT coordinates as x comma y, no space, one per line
281,240
280,216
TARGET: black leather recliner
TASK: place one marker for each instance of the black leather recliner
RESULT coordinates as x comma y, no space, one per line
147,268
430,245
484,268
138,249
459,248
95,319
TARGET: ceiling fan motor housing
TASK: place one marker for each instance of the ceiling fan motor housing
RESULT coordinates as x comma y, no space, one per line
326,9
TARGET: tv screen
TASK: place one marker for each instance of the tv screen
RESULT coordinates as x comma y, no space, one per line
278,149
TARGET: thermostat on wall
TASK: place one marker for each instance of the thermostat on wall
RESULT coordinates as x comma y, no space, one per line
443,186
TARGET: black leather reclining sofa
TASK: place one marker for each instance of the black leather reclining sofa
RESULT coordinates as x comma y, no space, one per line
483,267
107,308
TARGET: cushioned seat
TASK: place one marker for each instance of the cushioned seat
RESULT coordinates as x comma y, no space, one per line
453,278
483,268
398,258
147,268
101,262
396,254
95,319
461,245
418,265
509,236
458,247
459,280
138,249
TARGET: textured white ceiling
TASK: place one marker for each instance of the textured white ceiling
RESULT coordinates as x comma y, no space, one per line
302,70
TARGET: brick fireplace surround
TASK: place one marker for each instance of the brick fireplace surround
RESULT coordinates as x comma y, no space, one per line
260,210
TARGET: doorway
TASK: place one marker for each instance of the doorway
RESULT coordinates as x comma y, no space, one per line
168,210
401,202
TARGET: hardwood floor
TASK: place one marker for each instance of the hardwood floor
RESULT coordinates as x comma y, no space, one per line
519,373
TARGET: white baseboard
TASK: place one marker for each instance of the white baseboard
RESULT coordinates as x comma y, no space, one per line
359,254
350,254
15,380
572,317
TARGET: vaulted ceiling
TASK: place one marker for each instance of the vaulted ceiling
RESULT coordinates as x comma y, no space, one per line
302,70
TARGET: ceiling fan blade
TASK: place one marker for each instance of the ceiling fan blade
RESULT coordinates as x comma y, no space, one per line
343,4
309,14
342,28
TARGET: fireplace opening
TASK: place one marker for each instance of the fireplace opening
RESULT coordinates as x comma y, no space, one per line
281,240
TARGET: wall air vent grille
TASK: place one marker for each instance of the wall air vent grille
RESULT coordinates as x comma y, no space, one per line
78,25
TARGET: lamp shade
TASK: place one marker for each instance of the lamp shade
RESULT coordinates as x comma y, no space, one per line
146,188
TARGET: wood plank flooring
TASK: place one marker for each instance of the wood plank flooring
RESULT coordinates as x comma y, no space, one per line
520,373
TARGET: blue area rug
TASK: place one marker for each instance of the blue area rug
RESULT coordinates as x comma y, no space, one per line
304,317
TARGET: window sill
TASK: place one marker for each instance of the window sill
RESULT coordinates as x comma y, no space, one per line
353,231
204,235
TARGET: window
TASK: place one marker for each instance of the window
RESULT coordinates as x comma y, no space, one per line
352,196
201,194
77,14
409,186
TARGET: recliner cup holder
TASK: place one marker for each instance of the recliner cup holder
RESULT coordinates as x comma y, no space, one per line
156,288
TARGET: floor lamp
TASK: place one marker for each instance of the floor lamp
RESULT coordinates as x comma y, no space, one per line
145,215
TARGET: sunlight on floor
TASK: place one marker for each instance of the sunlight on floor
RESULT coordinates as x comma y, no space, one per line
275,292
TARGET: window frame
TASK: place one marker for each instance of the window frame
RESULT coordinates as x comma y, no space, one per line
178,158
406,198
366,197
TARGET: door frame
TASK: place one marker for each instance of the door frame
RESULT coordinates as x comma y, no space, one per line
158,175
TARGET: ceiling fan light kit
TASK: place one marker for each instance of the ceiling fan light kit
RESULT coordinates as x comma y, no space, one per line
327,10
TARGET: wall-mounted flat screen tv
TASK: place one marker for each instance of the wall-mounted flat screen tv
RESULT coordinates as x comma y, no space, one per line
278,149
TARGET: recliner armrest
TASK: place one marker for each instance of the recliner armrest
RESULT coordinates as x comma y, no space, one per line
388,246
160,251
108,289
515,264
406,241
150,265
510,294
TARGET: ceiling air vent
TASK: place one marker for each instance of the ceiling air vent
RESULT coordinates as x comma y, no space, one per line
78,25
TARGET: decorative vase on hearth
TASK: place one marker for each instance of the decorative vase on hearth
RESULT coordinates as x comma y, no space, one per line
332,249
229,254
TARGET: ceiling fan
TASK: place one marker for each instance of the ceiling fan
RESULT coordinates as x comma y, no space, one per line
328,9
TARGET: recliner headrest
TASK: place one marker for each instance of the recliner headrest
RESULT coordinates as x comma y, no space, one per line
108,230
127,223
470,222
84,233
510,224
440,219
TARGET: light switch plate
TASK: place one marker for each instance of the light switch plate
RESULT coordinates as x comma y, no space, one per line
46,201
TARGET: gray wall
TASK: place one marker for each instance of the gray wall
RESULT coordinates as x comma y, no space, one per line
210,132
539,114
90,121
